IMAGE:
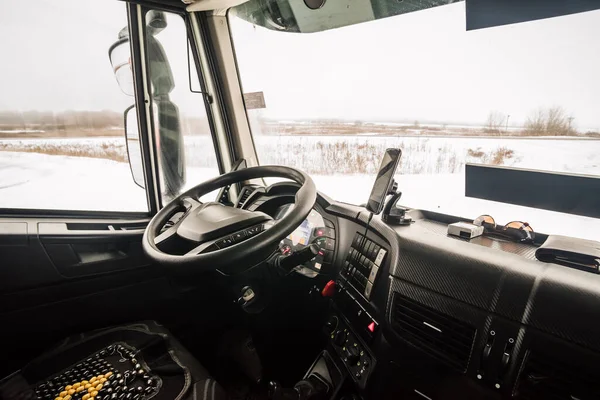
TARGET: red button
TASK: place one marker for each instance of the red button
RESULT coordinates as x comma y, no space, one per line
319,233
329,289
371,327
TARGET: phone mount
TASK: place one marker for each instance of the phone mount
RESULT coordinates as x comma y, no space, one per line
392,214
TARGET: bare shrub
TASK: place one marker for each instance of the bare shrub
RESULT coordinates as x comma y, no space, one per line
552,121
495,122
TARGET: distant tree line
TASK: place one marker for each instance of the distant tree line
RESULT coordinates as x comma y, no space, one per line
69,120
79,123
550,121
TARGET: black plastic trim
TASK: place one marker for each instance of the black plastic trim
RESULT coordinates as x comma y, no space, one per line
207,98
218,95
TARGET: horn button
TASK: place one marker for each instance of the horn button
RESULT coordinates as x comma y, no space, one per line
213,220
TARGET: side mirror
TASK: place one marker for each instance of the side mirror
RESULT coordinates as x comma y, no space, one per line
134,147
120,59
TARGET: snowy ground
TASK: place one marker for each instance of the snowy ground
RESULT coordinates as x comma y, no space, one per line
432,173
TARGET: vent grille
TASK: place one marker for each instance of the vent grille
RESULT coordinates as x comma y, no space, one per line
440,335
246,192
547,377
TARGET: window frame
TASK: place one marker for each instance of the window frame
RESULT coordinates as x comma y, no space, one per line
193,46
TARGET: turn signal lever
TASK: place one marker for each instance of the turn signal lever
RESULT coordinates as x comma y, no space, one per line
288,263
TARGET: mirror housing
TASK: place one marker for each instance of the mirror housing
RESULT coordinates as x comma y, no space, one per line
120,60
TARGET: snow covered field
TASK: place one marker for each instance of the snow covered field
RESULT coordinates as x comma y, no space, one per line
431,176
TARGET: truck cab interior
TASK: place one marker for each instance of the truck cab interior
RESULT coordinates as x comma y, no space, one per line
248,276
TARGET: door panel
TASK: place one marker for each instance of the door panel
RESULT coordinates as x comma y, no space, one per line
83,249
60,277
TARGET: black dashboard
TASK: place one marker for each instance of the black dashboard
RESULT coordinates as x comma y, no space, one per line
418,314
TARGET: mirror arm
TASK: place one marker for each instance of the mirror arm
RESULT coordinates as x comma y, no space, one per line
127,143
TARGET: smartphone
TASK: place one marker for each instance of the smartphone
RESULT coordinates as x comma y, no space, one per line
383,182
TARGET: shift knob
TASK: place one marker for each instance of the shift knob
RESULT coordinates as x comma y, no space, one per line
276,392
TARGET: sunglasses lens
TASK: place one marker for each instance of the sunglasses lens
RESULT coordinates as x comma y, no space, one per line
522,226
485,219
519,225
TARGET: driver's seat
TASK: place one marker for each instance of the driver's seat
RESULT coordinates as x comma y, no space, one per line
138,361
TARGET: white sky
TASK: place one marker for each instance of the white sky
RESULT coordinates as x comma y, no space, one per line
419,66
55,55
59,56
426,66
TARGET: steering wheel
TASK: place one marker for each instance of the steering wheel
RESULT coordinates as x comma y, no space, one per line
223,236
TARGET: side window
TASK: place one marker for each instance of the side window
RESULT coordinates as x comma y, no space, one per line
182,131
62,143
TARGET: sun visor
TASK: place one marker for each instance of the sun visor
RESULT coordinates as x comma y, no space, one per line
489,13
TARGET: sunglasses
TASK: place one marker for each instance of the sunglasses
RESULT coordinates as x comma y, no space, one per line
516,230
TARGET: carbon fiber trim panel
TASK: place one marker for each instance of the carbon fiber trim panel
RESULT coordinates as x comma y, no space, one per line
566,303
486,278
443,304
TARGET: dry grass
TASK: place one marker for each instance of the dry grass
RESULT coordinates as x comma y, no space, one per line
340,155
501,155
106,151
475,153
74,133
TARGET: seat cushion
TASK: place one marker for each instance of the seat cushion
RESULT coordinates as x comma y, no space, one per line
137,361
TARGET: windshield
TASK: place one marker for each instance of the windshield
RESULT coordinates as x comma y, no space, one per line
524,95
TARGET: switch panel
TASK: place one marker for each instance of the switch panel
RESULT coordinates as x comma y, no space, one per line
363,263
353,352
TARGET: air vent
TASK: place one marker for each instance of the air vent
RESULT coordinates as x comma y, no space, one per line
546,377
246,192
440,335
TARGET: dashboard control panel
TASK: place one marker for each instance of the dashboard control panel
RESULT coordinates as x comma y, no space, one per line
362,264
351,350
314,229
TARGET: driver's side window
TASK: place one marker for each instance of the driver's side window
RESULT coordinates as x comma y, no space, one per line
62,144
181,125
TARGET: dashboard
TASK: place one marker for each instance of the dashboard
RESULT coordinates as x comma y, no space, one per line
277,201
421,315
312,230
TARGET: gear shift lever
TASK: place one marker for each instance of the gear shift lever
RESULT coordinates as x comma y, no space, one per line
309,389
276,392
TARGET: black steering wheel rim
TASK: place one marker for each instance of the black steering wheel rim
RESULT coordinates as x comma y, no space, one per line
248,252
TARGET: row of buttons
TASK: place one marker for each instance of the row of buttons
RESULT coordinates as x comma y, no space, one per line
239,236
363,262
367,247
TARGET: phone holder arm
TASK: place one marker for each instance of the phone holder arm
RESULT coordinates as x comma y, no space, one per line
394,215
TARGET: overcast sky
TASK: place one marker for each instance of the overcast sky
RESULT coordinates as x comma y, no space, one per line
419,66
55,55
426,66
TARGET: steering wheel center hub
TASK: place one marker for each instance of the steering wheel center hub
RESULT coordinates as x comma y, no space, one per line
212,220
